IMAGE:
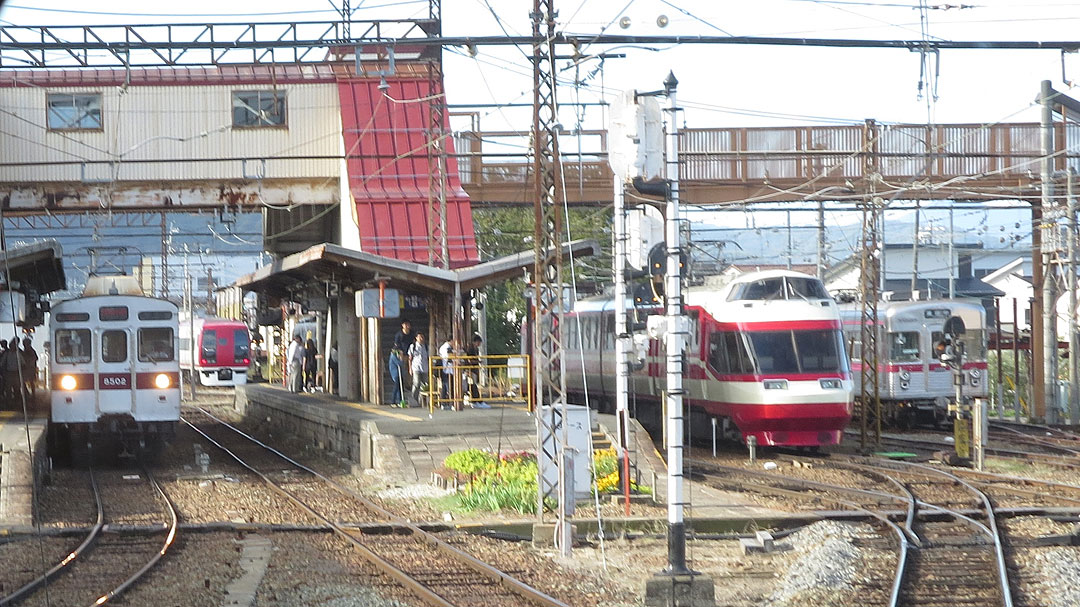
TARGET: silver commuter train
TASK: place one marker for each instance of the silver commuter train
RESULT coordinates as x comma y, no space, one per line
913,384
114,370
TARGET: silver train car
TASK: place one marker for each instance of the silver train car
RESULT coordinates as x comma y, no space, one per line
914,385
115,371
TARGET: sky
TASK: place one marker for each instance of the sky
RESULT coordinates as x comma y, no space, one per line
719,85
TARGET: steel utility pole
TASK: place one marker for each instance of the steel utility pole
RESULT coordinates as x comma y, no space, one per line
438,248
1042,375
622,340
870,416
548,327
1070,281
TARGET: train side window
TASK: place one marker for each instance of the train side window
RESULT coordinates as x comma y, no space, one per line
113,346
73,346
156,345
716,359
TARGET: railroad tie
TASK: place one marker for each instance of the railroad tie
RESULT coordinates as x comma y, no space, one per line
254,558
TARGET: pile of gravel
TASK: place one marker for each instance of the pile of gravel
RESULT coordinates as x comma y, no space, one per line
411,492
1058,572
825,561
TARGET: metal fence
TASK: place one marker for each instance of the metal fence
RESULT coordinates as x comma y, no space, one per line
461,381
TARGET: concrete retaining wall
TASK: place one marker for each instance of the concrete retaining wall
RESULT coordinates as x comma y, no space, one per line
323,427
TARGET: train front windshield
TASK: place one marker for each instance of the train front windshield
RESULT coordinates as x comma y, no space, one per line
787,352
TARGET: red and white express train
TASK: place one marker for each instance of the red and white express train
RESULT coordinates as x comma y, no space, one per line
114,370
913,384
765,356
222,353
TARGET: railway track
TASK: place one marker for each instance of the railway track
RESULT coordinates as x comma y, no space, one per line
429,567
103,566
944,557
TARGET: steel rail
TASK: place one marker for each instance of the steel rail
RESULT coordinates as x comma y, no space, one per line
472,562
91,537
904,545
169,539
992,530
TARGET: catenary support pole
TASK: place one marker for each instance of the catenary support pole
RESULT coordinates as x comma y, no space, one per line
820,239
676,340
1046,406
1074,339
622,343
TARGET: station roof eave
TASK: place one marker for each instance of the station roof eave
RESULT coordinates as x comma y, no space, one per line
334,263
39,265
498,270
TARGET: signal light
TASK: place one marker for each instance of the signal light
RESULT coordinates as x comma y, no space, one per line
68,382
162,381
246,361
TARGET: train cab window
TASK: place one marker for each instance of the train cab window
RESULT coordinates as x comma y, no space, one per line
975,345
936,337
819,351
208,351
806,288
763,289
242,345
156,344
113,346
774,351
904,346
72,346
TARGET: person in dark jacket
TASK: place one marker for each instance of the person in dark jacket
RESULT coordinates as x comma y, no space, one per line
30,362
311,366
397,375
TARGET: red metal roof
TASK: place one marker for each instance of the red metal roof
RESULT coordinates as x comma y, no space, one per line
385,139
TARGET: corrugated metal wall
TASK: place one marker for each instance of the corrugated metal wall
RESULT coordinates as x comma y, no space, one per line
166,123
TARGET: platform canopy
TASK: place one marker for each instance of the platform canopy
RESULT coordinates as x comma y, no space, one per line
334,264
38,266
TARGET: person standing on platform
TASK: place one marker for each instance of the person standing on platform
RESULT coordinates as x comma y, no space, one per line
446,391
332,364
311,365
295,358
403,339
30,363
11,367
397,377
418,364
474,373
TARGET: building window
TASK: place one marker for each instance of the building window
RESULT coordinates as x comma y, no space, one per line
258,108
72,112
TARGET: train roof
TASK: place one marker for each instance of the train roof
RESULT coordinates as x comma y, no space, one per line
717,301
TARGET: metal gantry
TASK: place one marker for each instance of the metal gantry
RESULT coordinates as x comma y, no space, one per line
196,44
548,334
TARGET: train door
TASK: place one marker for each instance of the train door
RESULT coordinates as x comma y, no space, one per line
114,371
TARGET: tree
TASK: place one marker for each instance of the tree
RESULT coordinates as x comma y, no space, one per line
502,232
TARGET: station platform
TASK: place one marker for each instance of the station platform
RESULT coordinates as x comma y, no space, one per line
409,445
22,460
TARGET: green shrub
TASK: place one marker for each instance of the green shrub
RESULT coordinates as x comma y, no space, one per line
470,461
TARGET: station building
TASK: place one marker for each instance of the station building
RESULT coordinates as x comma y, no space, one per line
357,185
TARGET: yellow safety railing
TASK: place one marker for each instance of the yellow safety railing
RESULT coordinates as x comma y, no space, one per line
493,379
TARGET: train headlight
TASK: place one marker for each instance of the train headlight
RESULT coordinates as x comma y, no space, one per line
905,376
68,382
904,385
162,381
831,384
775,384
